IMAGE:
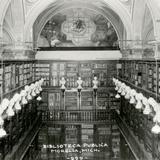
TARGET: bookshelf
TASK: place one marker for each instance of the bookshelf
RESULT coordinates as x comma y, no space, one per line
42,70
145,78
71,100
87,100
141,73
53,70
15,74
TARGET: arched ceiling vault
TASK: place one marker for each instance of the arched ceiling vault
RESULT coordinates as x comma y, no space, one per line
39,7
106,7
53,10
3,8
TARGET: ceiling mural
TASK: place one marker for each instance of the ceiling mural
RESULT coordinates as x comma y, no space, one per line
79,27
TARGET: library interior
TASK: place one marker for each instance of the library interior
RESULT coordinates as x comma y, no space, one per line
79,79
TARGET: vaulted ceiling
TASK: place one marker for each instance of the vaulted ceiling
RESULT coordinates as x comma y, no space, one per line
133,20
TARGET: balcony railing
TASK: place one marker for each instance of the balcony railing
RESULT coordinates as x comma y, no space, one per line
76,116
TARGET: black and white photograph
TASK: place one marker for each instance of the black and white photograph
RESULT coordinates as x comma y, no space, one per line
79,79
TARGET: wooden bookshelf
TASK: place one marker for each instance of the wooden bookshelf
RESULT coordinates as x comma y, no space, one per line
52,71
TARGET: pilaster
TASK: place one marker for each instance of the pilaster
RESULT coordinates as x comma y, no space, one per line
17,52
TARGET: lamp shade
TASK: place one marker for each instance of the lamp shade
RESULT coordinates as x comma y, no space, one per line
23,93
10,112
17,97
117,96
39,98
147,110
17,106
2,132
33,93
139,96
11,103
157,117
116,88
26,88
24,101
145,101
132,100
29,97
5,103
156,129
153,103
123,93
1,121
138,105
133,92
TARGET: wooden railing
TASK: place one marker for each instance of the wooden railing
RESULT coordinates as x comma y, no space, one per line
137,148
76,116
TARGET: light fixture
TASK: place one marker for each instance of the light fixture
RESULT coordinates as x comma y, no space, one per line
17,98
153,103
156,129
1,121
2,132
147,110
29,97
132,100
17,106
123,92
139,97
39,98
116,88
23,95
127,96
10,111
37,88
4,104
117,96
138,105
157,117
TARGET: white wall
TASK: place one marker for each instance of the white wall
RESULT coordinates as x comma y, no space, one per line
78,55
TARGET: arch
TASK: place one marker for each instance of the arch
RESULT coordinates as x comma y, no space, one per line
7,34
137,19
147,25
3,9
40,6
155,14
50,14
